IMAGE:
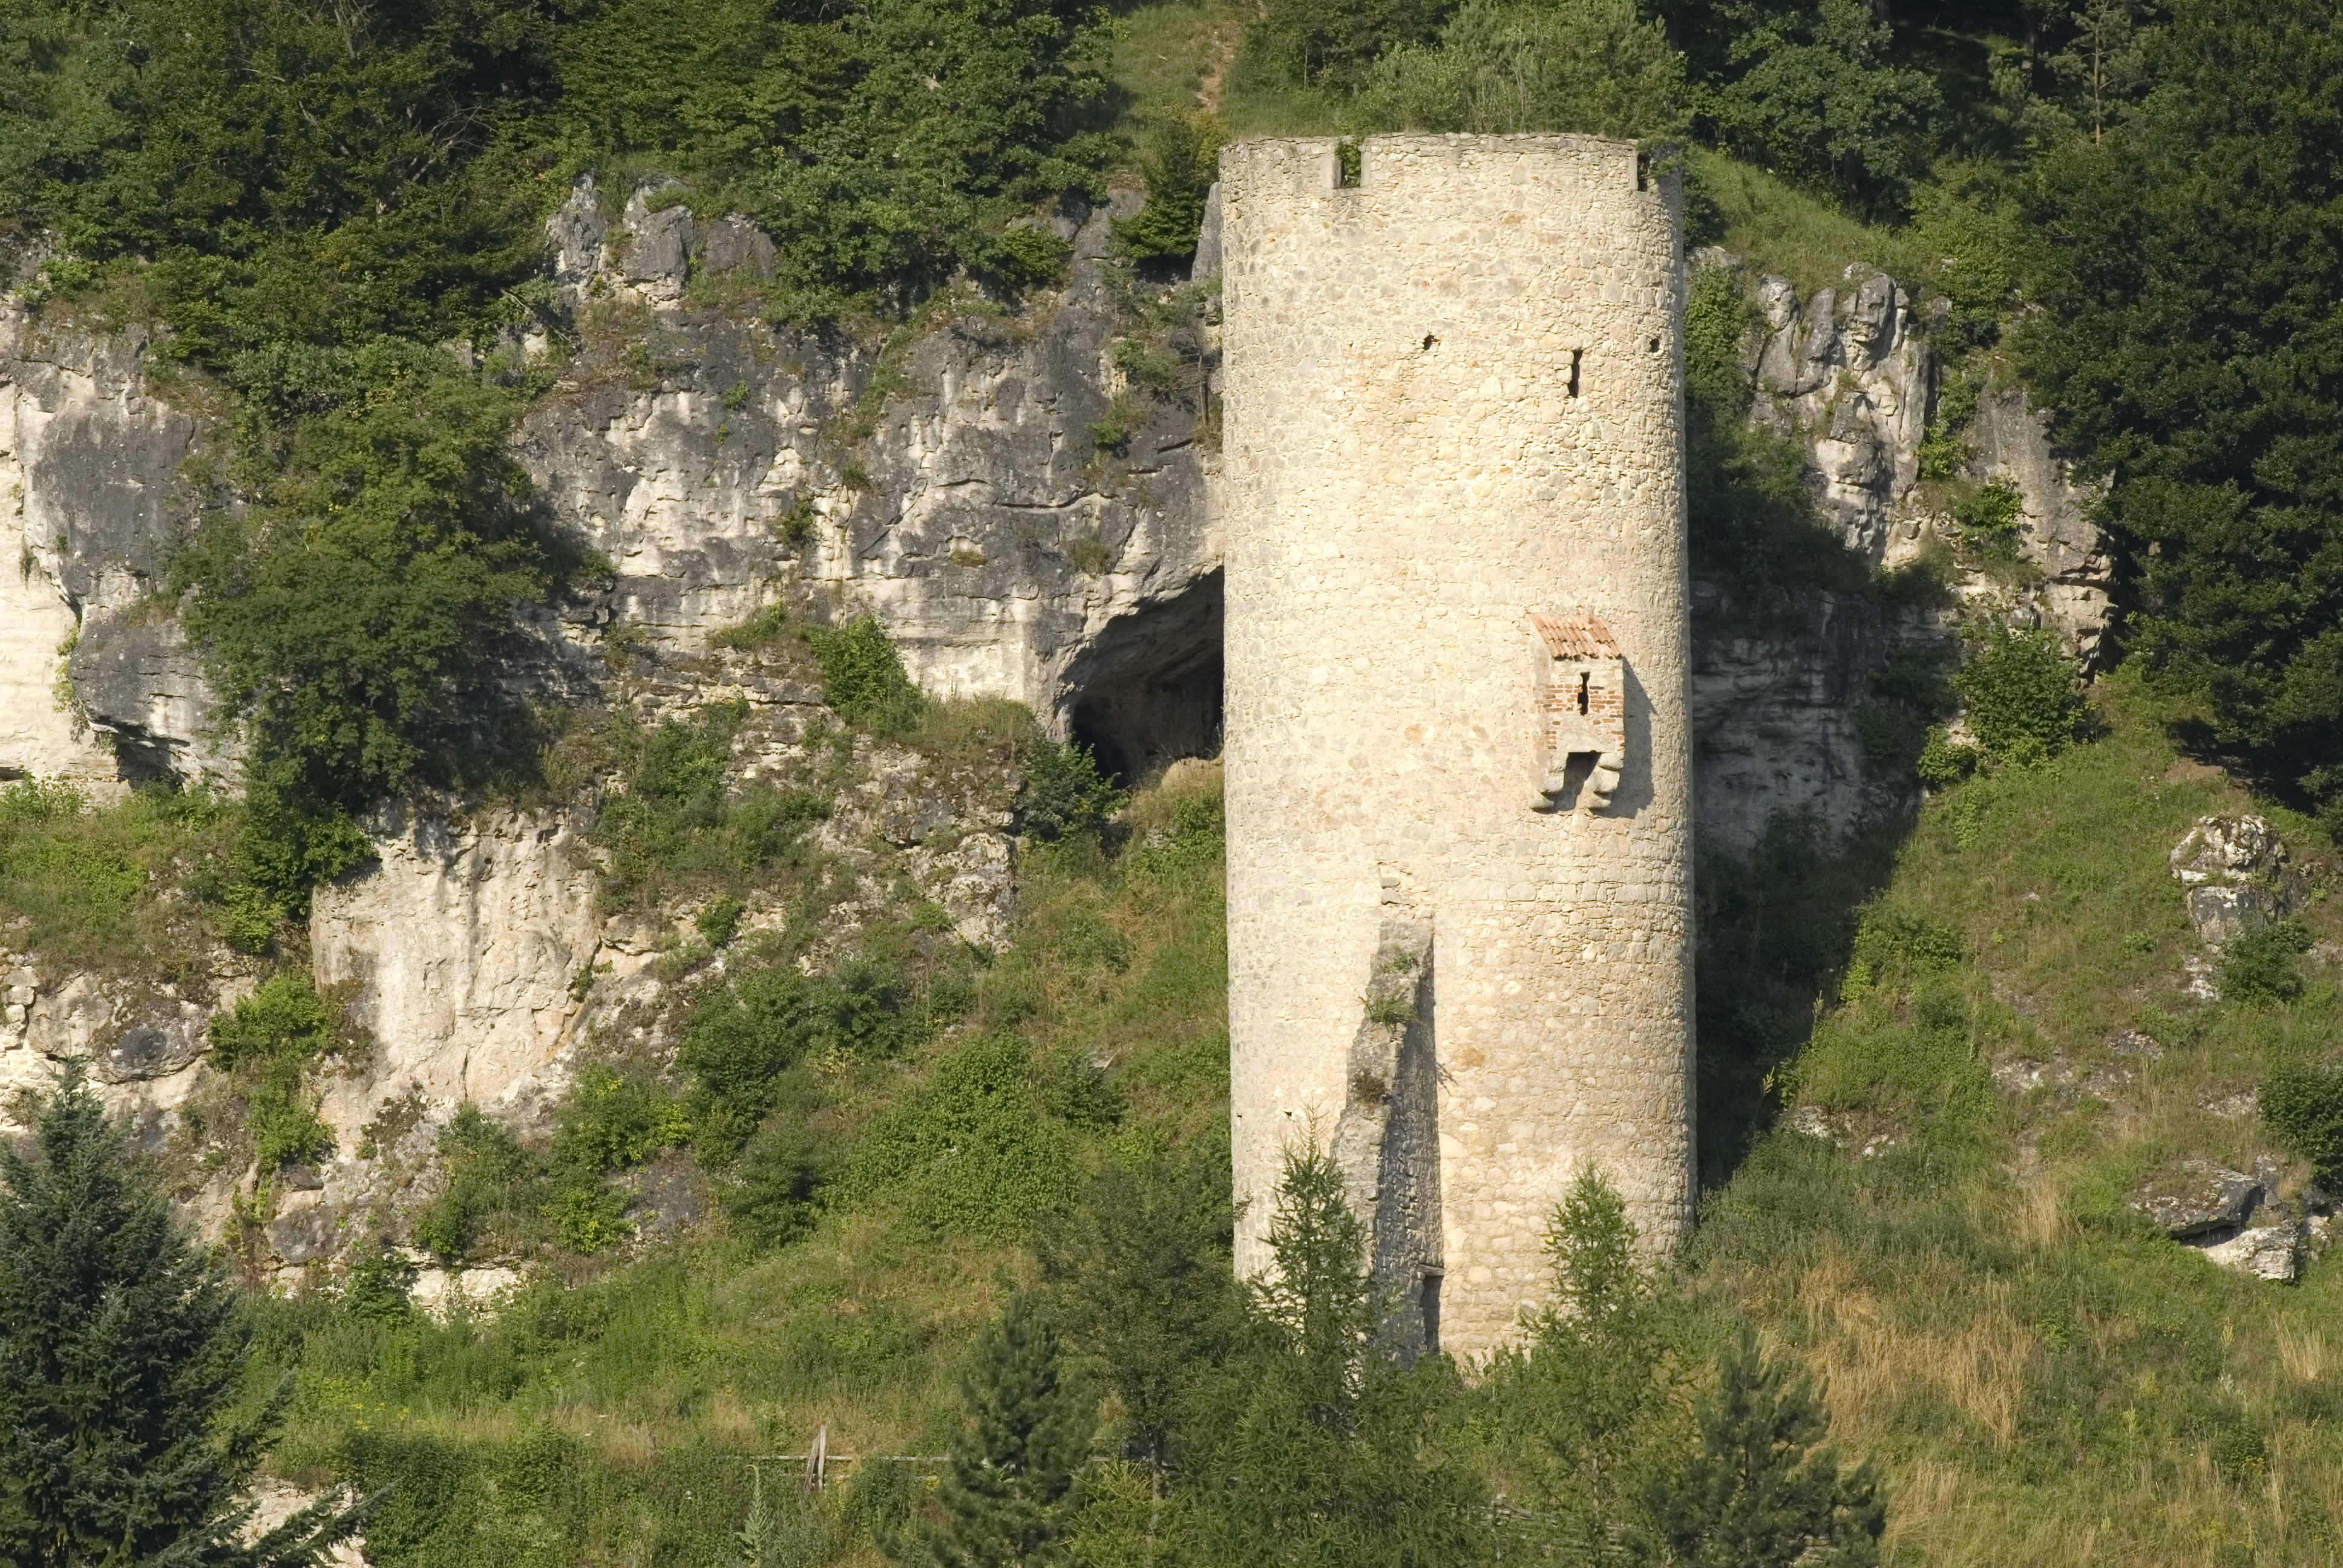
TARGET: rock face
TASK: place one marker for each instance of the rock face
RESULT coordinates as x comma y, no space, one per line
957,486
89,460
2238,877
1024,517
1848,373
1774,719
457,948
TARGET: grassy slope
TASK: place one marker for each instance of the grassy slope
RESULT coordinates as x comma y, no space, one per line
616,1416
2045,1377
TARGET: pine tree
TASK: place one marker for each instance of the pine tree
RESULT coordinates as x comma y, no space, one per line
1139,1278
1009,1497
1761,1494
1328,1451
122,1353
1590,1395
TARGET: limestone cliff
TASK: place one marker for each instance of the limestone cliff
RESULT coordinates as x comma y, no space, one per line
1025,495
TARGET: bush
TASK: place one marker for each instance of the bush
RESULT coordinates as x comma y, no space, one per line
1064,794
1596,67
863,681
494,1188
2020,694
1334,43
2259,966
610,1122
743,1042
1178,160
1718,314
2303,1107
269,1046
1991,510
976,1152
676,822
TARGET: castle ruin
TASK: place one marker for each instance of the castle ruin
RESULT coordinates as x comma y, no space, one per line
1458,755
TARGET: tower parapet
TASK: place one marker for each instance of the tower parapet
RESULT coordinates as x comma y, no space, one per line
1457,736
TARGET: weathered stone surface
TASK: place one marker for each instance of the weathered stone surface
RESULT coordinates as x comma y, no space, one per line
2238,875
2266,1252
1848,373
1006,553
88,467
1773,719
1386,1142
458,948
2201,1197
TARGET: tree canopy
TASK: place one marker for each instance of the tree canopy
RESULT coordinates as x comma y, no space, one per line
2189,268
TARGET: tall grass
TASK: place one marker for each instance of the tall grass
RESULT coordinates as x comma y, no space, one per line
2045,1377
615,1408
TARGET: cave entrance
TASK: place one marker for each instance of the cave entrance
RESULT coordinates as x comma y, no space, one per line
1147,692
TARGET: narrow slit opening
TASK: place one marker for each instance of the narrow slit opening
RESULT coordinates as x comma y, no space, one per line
1577,358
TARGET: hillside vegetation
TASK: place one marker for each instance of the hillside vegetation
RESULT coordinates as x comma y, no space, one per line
967,1212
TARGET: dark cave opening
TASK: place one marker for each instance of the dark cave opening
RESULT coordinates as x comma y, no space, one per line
1148,691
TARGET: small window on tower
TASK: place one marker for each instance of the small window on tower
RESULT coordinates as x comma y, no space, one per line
1583,678
1577,358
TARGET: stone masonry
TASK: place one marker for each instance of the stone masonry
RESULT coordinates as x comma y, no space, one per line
1456,698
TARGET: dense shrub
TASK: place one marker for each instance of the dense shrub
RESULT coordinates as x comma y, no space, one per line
2018,691
976,1152
1064,793
609,1122
2303,1106
1178,160
2259,966
493,1187
269,1045
1596,66
1335,43
676,825
863,680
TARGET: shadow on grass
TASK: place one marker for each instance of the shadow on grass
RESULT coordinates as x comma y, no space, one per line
1774,934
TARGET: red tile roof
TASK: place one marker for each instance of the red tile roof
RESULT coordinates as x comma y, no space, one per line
1585,638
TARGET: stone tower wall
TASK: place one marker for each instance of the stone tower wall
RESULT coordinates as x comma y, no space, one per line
1453,402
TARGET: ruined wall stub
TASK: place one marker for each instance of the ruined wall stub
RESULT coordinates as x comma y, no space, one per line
1454,503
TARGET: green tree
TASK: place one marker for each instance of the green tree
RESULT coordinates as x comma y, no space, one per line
1502,66
1137,1272
1762,1492
1588,1398
1009,1497
1335,43
122,1358
2188,345
1811,88
1179,158
1327,1449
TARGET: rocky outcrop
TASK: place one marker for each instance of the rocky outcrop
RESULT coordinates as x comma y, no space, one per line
2238,875
456,949
1847,372
95,685
964,484
1774,722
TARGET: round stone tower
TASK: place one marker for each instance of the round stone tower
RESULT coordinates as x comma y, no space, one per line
1458,750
